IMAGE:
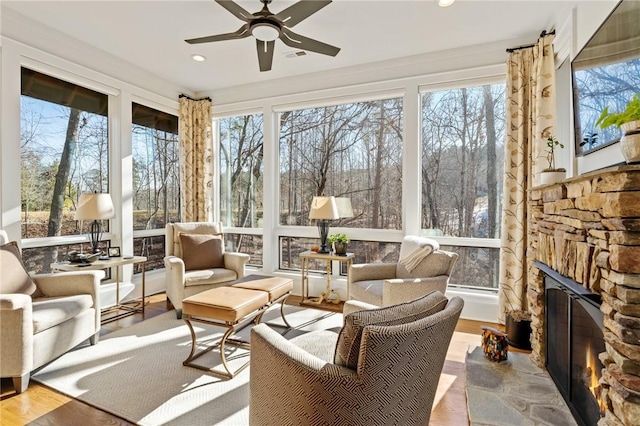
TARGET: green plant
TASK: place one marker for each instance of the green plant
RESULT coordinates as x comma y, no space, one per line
338,238
552,143
630,113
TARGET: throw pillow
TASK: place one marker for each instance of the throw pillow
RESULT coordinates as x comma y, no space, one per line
15,278
348,346
202,251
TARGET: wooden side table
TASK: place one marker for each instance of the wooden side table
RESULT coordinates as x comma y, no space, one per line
112,262
306,257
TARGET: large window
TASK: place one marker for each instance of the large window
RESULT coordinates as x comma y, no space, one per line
156,179
350,150
462,169
241,182
156,172
241,171
64,152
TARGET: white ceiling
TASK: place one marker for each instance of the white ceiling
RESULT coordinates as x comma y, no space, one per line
151,34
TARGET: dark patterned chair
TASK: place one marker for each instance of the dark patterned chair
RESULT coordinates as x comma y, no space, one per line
381,369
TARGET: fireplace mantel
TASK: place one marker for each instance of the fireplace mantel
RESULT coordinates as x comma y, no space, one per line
587,229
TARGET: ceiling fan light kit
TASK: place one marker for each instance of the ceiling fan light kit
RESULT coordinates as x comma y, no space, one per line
266,27
265,31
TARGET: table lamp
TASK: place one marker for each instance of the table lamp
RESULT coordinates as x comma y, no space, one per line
95,207
323,209
344,207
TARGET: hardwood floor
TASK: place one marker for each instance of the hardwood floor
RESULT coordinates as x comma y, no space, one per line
40,405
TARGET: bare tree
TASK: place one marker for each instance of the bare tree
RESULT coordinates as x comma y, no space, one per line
61,179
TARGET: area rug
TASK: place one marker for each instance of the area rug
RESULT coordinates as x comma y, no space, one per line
512,393
137,374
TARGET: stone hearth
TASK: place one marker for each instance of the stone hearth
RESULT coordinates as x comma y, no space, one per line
512,392
588,229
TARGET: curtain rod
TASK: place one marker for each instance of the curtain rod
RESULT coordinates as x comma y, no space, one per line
182,95
542,34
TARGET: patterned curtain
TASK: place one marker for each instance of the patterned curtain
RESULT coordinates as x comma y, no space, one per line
530,121
196,160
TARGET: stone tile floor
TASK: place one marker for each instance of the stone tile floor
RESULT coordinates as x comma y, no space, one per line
512,393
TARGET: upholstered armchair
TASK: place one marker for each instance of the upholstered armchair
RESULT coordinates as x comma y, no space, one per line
422,268
195,260
382,368
43,316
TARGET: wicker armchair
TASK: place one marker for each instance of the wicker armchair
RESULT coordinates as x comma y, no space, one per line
383,368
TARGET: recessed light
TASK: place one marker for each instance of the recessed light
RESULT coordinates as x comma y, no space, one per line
445,3
198,58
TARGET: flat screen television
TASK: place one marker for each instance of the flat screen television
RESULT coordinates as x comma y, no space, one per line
606,73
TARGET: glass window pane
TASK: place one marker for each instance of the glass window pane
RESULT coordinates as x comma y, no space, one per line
365,252
244,243
153,248
476,267
462,161
290,249
350,150
64,153
241,171
156,171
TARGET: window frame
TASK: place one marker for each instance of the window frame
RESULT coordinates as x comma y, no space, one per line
478,242
411,90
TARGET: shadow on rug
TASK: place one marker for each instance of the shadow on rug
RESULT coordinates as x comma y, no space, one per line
136,373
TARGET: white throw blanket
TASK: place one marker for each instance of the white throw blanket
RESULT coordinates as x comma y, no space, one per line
414,249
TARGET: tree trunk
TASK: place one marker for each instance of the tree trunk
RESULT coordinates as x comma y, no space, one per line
377,178
492,182
62,176
492,186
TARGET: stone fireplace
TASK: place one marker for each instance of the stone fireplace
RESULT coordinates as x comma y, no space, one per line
588,230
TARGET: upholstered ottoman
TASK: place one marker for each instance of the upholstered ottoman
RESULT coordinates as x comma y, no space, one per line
277,288
233,308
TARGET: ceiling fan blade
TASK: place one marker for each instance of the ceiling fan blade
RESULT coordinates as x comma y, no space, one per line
235,9
300,11
297,41
265,54
241,33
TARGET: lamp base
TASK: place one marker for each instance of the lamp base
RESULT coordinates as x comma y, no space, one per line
323,229
95,234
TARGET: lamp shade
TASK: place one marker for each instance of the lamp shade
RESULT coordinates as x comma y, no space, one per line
94,207
324,208
344,207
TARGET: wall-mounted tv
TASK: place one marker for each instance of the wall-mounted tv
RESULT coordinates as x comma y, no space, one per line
606,72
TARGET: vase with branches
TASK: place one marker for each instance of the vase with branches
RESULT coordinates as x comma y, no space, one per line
552,143
552,174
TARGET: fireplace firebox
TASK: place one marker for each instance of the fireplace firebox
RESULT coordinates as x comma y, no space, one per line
574,325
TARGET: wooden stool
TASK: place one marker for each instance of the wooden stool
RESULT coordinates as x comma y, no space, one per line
233,308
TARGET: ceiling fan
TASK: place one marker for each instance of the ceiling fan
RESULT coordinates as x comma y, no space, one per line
266,27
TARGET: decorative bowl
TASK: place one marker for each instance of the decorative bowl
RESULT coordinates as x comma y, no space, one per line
75,257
